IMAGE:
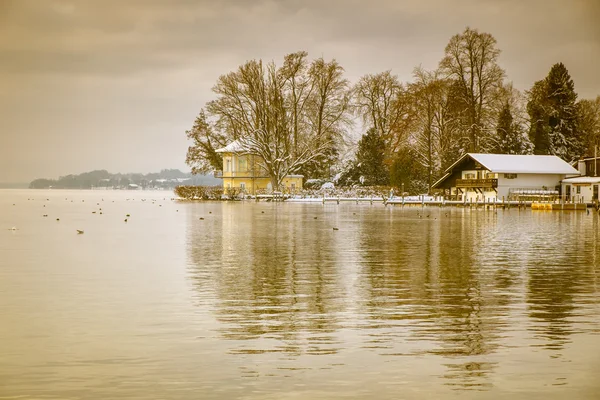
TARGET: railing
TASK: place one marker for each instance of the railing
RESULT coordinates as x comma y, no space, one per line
477,183
241,174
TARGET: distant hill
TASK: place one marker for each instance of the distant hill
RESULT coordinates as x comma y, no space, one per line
102,179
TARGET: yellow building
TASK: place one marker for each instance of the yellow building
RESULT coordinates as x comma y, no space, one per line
246,172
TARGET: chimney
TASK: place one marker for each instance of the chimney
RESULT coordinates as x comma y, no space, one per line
581,167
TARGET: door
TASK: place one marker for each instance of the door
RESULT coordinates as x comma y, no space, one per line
568,193
595,195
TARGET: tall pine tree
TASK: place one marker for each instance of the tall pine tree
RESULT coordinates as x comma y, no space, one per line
370,159
553,115
537,107
510,136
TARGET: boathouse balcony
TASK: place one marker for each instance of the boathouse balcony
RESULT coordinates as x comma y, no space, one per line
477,183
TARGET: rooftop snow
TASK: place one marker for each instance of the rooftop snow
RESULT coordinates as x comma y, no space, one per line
234,147
524,164
582,179
514,164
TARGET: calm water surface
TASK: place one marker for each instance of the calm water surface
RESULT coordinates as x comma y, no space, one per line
267,301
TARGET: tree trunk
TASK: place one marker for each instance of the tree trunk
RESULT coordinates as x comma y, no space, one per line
274,183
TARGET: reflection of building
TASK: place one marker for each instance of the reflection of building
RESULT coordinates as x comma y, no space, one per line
246,171
496,176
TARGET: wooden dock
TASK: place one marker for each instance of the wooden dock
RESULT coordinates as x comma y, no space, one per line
440,202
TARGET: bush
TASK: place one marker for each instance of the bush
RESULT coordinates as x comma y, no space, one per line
233,192
199,192
314,183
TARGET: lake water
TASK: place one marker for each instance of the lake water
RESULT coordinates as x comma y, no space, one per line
268,301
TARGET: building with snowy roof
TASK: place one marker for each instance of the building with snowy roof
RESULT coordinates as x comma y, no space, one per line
488,177
583,188
246,172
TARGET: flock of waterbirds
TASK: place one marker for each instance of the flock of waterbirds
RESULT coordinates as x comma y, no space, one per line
98,211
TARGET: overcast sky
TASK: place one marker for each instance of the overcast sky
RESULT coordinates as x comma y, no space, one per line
114,84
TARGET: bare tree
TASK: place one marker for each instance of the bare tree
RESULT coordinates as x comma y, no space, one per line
380,100
298,87
328,111
269,110
201,156
471,60
427,98
434,138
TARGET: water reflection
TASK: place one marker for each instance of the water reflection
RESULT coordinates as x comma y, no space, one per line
556,278
276,283
458,286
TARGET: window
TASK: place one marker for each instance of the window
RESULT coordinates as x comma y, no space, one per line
243,164
510,176
469,176
227,164
578,189
243,185
490,175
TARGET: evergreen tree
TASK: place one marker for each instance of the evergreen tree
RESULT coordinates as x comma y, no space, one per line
562,120
589,124
503,129
510,137
406,172
553,115
370,159
538,118
453,142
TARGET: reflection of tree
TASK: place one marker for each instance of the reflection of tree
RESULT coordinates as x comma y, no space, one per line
447,286
556,277
469,375
424,277
276,280
466,308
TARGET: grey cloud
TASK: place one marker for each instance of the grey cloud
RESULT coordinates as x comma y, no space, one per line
119,75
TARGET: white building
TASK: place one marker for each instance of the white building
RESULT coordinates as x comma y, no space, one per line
488,177
581,189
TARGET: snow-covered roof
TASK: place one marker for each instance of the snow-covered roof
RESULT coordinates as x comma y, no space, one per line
582,179
524,164
234,147
515,164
